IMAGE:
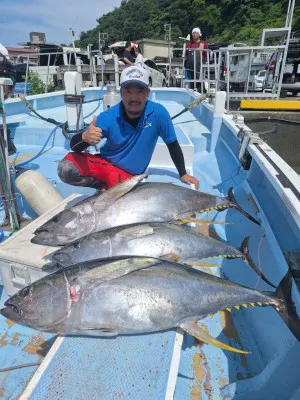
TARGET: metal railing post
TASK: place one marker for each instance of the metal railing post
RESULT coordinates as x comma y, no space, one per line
227,80
47,74
249,71
26,76
208,71
195,69
201,71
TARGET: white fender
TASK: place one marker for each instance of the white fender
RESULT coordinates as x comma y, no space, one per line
38,191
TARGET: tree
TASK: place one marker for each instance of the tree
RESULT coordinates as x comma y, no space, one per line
37,85
223,20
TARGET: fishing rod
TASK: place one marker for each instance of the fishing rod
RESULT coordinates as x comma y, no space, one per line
50,120
193,104
30,107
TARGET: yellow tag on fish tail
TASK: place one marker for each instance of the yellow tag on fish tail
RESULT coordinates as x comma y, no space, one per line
259,303
229,309
245,305
237,307
252,304
193,329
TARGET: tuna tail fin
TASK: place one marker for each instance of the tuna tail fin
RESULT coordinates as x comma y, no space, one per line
194,330
287,309
247,258
233,204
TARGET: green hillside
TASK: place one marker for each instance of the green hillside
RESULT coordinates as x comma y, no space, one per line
223,20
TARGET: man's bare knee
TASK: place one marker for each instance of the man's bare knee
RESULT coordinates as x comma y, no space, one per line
68,172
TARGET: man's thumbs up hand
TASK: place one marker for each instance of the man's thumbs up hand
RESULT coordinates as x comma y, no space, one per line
93,134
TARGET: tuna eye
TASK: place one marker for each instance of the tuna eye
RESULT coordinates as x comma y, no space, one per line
25,291
77,245
55,218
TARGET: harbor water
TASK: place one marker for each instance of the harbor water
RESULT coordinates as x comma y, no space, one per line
286,141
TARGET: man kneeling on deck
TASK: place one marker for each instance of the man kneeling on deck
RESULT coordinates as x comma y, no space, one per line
131,129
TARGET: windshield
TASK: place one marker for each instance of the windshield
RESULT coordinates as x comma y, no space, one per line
262,73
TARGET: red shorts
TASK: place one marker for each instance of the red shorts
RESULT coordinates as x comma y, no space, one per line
98,168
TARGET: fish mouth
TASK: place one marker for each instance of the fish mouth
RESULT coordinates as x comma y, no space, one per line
45,228
40,230
32,319
15,315
38,238
11,312
44,237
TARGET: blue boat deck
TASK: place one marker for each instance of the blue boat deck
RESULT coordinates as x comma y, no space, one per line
157,366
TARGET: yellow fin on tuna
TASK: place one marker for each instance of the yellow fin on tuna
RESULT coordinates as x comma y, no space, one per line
117,191
199,221
118,268
170,256
193,329
134,232
201,264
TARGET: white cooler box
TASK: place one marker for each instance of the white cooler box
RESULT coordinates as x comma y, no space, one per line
22,262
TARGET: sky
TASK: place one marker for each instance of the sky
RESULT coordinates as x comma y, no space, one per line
53,17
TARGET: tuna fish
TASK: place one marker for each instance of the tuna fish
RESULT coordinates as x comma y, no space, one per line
130,295
129,203
161,240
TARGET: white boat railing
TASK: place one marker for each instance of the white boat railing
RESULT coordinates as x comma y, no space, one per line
230,69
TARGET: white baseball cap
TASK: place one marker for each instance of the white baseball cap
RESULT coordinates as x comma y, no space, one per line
135,75
197,30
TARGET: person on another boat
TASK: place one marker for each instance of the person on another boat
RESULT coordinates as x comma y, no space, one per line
190,65
139,59
131,129
127,56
